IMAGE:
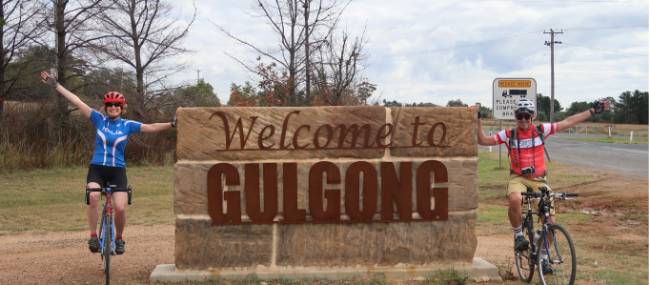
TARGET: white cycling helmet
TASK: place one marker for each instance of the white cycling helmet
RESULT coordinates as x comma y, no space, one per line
525,106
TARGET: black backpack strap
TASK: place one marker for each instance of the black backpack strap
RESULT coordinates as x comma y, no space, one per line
540,132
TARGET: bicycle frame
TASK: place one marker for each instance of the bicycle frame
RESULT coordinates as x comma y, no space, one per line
543,213
544,242
106,221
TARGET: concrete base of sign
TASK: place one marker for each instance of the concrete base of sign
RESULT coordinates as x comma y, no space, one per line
479,270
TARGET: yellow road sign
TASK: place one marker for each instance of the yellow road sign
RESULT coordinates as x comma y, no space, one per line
515,83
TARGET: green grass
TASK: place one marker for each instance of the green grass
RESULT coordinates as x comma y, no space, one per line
616,277
53,199
447,277
602,259
492,214
619,140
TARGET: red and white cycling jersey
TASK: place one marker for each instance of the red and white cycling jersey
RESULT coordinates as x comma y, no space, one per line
527,149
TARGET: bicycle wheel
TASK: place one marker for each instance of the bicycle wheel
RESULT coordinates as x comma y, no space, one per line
561,257
524,260
107,249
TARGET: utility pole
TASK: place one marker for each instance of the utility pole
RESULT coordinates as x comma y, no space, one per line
198,76
552,45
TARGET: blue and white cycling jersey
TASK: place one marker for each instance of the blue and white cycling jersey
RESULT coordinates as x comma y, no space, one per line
111,138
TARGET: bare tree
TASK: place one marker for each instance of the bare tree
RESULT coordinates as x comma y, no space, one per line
336,68
141,34
72,35
300,26
21,24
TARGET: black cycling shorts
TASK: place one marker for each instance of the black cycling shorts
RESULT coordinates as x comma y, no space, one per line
107,175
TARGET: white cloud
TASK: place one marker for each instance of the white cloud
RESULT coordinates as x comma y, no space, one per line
436,51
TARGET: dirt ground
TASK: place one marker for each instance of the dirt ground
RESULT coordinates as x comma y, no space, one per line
63,257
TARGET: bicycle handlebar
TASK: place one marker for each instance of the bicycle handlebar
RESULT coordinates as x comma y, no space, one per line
558,195
103,191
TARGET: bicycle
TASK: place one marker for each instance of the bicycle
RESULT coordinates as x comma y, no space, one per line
551,238
107,225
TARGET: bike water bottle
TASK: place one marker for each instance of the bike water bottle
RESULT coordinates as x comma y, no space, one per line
536,236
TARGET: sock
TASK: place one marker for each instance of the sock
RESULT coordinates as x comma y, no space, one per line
517,231
93,234
118,237
544,253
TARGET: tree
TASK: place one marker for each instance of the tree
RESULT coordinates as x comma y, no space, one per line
101,80
199,95
393,103
544,107
26,63
365,90
632,107
336,68
456,103
21,25
484,112
141,34
243,96
71,22
307,52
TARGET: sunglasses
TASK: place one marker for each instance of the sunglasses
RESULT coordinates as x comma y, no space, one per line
522,116
112,105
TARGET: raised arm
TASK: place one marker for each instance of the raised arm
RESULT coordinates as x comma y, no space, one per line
575,119
74,99
482,138
155,127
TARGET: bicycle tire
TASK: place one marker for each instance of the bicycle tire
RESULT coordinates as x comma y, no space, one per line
562,256
107,249
524,260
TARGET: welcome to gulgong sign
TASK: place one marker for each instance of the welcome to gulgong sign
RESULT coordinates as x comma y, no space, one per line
324,187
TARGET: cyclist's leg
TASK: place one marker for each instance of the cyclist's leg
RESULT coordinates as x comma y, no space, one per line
120,200
93,207
95,179
515,187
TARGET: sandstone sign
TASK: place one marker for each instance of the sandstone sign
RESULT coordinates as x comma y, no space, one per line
324,188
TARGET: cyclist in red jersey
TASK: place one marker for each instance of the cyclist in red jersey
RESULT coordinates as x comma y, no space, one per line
526,151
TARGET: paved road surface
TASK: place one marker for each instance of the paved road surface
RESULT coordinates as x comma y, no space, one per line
626,159
631,160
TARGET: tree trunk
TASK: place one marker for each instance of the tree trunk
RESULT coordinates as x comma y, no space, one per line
139,109
307,58
3,52
59,14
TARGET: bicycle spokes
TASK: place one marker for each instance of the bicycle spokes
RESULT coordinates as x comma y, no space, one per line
560,255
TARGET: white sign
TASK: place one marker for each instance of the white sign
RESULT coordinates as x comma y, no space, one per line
507,91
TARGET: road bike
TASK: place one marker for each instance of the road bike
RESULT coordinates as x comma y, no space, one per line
107,225
552,239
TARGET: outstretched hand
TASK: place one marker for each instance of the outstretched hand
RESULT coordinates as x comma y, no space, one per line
48,79
601,106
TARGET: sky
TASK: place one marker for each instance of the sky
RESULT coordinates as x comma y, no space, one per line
436,51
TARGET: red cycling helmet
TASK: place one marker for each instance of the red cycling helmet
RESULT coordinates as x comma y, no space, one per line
114,97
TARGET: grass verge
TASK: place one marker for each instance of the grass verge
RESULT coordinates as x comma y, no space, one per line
53,199
619,140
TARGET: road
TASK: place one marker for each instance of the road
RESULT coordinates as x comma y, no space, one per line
626,159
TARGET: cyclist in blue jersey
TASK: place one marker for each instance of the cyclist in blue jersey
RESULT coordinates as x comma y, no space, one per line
107,163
